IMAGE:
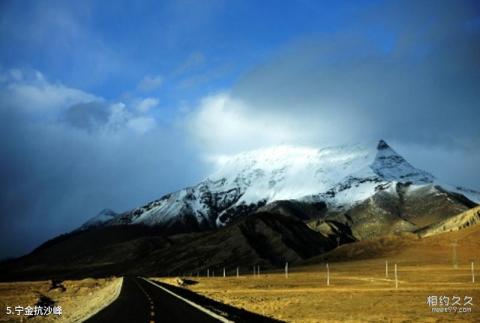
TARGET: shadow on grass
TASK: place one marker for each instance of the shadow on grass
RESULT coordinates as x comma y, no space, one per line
228,311
44,301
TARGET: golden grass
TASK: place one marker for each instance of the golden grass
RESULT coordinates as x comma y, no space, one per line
80,298
359,290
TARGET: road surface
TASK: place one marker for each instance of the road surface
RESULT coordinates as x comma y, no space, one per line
142,301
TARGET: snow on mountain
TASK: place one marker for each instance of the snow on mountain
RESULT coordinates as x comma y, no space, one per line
101,218
391,166
339,176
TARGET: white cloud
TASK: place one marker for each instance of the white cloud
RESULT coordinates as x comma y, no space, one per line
150,83
33,94
119,116
222,124
122,118
146,105
141,125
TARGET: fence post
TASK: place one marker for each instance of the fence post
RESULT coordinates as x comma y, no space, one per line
328,275
396,277
286,269
473,273
208,272
224,272
386,268
238,274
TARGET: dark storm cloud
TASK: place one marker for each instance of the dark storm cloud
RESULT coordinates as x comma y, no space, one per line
425,87
88,116
61,163
408,72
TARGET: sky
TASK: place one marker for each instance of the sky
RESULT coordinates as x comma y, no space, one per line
111,104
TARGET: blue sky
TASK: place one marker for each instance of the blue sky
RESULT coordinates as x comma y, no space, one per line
115,103
108,47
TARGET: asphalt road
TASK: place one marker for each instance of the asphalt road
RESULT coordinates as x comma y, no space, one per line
141,301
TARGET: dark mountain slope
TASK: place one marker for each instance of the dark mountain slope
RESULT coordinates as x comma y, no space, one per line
263,238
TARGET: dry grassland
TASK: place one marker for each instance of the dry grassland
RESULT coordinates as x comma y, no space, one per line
78,299
359,290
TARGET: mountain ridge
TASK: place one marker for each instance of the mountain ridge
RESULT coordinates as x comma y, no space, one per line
338,176
264,207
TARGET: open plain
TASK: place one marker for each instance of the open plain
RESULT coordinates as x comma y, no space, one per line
359,289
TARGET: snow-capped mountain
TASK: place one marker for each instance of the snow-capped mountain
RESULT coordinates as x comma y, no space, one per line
340,177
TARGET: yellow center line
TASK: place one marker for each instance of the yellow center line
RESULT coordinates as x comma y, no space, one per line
152,313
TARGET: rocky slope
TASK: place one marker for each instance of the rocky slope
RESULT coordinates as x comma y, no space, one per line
263,239
461,221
